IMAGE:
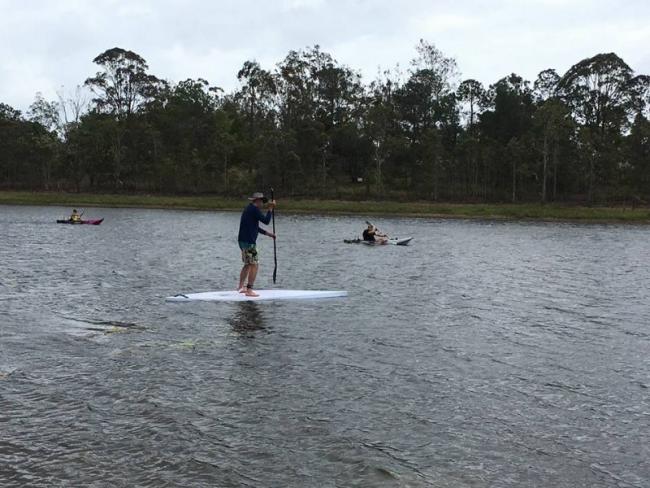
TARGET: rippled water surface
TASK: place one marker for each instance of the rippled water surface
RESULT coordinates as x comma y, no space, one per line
483,354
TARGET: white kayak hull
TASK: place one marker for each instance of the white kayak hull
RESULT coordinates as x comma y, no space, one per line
264,295
403,241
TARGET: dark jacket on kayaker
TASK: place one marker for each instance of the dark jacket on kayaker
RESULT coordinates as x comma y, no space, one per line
369,234
249,224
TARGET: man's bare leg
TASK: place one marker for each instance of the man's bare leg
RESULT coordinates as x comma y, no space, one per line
242,278
252,274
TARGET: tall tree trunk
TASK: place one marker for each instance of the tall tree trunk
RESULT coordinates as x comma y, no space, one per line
514,180
324,172
555,170
225,172
251,122
545,165
435,178
486,177
378,177
592,164
117,158
47,173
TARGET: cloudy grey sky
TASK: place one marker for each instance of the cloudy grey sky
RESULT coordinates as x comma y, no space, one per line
48,44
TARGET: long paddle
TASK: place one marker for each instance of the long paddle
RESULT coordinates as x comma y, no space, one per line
380,234
275,252
376,229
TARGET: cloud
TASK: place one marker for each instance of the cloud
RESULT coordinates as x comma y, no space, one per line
44,45
434,24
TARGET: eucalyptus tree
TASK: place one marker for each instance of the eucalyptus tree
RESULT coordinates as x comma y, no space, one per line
417,104
340,102
433,78
640,87
444,74
472,98
256,100
11,126
124,84
257,94
303,137
507,121
637,142
296,88
48,131
72,105
338,92
8,113
318,98
546,85
28,149
552,120
88,158
121,89
380,125
180,128
472,94
428,111
637,156
600,92
510,103
46,113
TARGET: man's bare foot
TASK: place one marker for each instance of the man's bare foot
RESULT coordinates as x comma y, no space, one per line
241,289
250,293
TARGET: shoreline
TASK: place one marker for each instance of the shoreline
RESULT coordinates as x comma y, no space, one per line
418,209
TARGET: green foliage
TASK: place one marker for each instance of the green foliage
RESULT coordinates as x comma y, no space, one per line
530,211
311,127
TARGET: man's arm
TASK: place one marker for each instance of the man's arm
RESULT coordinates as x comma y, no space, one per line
267,233
266,219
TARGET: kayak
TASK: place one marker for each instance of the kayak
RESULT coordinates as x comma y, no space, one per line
87,222
234,296
395,241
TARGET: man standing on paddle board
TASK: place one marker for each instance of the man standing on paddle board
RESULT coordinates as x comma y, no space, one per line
248,229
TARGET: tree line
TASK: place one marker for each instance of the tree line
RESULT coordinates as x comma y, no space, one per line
312,127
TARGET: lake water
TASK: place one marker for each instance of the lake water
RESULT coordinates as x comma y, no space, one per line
484,354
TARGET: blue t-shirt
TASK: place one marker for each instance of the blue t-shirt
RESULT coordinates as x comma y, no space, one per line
249,223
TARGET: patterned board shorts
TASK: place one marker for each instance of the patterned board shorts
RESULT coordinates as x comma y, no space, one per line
249,254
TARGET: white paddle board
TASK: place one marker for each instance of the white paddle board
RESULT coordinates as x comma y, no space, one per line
234,296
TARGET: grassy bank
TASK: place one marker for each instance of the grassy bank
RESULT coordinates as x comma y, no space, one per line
365,208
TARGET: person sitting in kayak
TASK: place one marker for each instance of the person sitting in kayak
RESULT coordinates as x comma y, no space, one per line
248,231
75,217
371,234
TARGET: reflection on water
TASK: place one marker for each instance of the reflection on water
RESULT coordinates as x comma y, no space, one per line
247,318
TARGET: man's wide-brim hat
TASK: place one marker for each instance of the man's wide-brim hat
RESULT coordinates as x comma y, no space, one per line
257,196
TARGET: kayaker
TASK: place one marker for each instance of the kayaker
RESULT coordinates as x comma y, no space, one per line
371,234
75,217
248,229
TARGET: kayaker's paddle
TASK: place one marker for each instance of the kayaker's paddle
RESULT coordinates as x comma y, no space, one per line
275,253
380,234
377,231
